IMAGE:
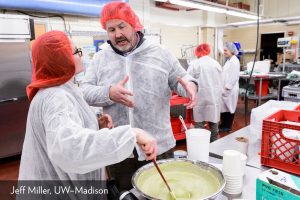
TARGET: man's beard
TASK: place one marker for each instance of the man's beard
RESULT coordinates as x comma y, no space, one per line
126,48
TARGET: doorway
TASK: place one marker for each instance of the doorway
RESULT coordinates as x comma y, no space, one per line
268,46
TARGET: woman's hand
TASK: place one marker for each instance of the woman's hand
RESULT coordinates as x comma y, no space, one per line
105,121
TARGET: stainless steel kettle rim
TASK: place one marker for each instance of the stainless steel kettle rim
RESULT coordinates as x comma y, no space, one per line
208,166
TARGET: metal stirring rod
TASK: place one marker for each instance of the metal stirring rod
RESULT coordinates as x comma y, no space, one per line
183,123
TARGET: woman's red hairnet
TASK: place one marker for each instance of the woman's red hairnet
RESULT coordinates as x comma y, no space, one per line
120,10
52,62
202,50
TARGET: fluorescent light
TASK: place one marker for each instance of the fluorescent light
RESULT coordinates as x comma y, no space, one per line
161,0
293,22
185,3
207,7
197,6
214,9
241,14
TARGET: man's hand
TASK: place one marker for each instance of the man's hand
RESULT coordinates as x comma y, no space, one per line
226,92
118,93
191,89
105,121
147,143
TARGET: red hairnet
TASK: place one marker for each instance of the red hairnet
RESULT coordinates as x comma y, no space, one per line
120,10
202,50
52,62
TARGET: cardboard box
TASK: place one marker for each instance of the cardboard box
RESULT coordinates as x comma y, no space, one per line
279,58
223,2
275,184
242,5
288,57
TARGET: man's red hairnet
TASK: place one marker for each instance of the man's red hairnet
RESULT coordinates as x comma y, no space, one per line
120,10
202,50
52,62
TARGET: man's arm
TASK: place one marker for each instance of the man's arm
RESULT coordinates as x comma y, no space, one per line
180,81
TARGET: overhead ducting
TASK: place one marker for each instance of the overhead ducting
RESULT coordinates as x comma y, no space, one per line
72,7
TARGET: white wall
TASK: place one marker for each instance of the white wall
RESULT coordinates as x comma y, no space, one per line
174,37
176,28
281,8
147,11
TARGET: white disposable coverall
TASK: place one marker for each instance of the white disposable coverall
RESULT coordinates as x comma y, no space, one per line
63,141
152,74
208,73
231,74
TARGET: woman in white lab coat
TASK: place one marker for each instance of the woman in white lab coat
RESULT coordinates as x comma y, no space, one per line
63,140
230,93
208,74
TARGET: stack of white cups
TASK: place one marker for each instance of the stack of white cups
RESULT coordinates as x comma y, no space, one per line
234,164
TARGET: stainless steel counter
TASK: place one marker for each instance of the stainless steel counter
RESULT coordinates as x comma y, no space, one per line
228,142
269,76
249,187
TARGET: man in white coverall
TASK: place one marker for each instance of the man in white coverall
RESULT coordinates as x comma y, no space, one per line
208,73
135,77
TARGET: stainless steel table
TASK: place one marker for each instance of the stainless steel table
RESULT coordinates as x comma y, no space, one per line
270,76
217,147
249,187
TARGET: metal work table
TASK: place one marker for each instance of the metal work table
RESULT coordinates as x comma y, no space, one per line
289,67
270,76
249,187
228,142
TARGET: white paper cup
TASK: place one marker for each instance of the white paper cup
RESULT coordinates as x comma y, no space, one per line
234,187
180,154
234,163
243,162
198,144
237,191
242,144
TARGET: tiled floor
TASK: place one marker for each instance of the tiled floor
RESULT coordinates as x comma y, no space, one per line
9,167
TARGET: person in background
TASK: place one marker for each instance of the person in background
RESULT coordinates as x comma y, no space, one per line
208,73
132,78
63,140
230,94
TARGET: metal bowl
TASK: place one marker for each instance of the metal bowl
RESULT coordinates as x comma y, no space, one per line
208,167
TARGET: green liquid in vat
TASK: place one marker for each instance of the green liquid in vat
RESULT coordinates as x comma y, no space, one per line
187,181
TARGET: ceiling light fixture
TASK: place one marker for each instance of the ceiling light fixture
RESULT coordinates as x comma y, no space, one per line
197,6
241,14
212,8
161,0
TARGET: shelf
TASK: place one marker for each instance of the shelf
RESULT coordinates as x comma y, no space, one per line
177,100
255,97
179,136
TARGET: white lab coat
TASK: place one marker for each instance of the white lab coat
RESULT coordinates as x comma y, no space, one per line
63,141
208,73
231,73
152,74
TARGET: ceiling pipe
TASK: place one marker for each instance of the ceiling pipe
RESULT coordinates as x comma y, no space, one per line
73,7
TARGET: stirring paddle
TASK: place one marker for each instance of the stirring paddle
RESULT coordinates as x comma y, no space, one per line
183,123
162,176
